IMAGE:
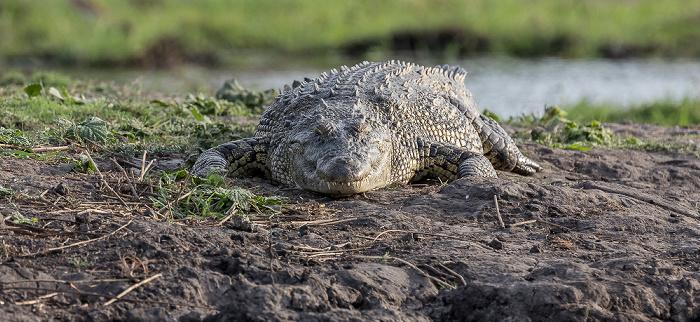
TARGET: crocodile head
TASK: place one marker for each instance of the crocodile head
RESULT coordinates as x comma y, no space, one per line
339,155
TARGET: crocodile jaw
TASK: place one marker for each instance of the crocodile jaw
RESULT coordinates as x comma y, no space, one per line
366,176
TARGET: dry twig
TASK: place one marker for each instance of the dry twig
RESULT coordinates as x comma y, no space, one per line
498,212
524,223
455,274
128,180
132,288
41,298
322,222
103,179
81,242
51,149
107,296
143,165
39,280
10,146
421,272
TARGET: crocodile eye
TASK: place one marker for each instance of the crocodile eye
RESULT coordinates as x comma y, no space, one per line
361,127
324,128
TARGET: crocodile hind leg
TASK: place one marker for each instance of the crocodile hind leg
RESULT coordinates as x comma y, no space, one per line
502,151
448,162
498,146
240,158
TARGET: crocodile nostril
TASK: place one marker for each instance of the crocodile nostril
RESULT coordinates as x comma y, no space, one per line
342,169
347,160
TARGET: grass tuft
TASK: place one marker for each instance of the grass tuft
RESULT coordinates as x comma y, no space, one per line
663,112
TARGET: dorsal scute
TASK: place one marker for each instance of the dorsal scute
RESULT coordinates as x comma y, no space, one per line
362,77
454,72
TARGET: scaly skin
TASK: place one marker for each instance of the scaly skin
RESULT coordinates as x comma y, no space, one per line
369,126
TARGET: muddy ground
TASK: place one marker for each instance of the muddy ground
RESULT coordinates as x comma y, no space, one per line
600,235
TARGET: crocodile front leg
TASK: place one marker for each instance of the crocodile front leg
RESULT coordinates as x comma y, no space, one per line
240,158
448,162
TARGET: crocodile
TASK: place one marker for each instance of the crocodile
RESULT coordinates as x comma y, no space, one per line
369,126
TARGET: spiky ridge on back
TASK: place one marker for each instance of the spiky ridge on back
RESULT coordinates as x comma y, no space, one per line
409,101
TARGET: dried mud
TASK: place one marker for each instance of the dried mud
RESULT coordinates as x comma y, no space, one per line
600,235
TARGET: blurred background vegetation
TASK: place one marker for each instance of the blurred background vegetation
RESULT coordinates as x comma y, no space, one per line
116,39
165,33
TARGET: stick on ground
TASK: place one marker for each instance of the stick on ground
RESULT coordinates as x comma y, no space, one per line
105,182
81,242
420,271
132,288
498,212
128,180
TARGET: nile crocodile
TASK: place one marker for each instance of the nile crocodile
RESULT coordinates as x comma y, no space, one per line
368,126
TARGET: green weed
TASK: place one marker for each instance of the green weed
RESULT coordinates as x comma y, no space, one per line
209,197
555,130
19,219
253,101
13,77
80,263
663,112
13,137
121,119
93,129
6,191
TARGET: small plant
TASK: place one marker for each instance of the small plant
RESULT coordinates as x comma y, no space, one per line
14,137
255,102
51,79
92,128
385,257
209,197
82,164
6,191
19,219
78,263
555,130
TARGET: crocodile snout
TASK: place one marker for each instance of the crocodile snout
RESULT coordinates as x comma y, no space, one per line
342,169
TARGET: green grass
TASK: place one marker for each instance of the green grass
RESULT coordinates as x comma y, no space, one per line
47,109
151,32
579,127
663,112
132,119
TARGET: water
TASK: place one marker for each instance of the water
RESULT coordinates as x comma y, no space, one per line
513,87
508,87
